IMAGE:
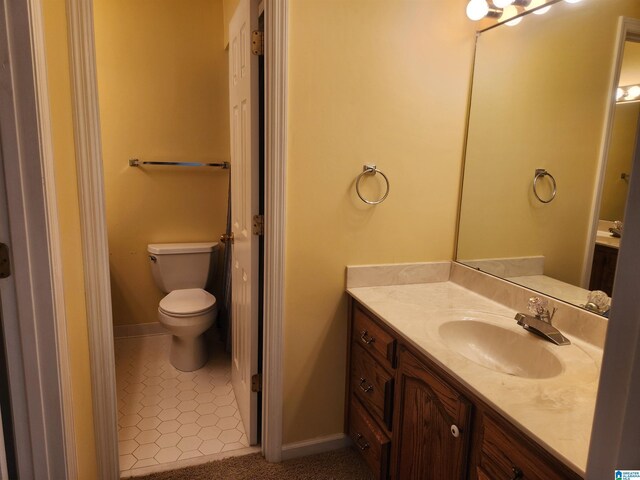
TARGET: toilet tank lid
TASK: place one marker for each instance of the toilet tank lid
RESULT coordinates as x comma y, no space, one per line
173,248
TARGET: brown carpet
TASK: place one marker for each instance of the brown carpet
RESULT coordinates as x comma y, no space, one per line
343,464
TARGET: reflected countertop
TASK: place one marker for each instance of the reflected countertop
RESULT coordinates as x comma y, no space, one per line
557,412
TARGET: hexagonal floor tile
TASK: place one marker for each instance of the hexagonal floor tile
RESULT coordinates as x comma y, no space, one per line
149,423
209,433
189,443
206,408
127,461
148,436
209,447
168,440
227,423
229,436
169,426
189,430
146,451
128,433
188,417
226,411
127,447
129,420
169,454
207,420
169,414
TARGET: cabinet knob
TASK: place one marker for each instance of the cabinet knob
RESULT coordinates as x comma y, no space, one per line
517,473
361,442
364,336
455,431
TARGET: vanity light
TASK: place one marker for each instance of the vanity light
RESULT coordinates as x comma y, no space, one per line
538,3
510,12
479,9
572,1
517,3
628,94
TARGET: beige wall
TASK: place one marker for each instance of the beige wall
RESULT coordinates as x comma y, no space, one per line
533,108
619,160
55,26
370,81
228,7
162,81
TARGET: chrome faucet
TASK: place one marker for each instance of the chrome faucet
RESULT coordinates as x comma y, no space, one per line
540,323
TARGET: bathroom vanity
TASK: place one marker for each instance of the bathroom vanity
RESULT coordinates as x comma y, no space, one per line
420,406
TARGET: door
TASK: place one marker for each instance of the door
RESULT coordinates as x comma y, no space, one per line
244,123
431,425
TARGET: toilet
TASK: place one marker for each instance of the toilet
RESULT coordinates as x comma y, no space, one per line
182,271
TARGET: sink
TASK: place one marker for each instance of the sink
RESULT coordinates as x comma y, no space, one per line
501,349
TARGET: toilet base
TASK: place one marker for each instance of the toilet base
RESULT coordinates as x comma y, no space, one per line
188,353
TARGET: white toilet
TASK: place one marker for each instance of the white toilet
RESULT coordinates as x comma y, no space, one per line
183,270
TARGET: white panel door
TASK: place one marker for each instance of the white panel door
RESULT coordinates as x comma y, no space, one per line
243,103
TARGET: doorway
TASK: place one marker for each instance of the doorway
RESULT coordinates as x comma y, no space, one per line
163,93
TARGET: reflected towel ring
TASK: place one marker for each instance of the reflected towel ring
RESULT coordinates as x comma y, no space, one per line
371,170
541,172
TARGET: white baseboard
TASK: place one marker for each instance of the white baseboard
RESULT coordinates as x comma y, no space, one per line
315,445
138,330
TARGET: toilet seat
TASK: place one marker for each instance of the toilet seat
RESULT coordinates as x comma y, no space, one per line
187,302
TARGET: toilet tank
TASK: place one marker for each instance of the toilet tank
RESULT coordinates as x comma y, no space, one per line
177,266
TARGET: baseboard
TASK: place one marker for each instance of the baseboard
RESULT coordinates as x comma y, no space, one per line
315,445
138,330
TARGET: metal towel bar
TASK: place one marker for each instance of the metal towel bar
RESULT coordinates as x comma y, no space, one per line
134,162
371,170
541,172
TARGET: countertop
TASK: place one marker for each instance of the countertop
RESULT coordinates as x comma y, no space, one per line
557,412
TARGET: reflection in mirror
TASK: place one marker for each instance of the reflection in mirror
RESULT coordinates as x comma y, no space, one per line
540,96
618,172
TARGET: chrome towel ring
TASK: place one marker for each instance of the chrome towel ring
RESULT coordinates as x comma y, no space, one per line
541,172
371,170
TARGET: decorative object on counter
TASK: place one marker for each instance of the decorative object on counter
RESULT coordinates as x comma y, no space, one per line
598,302
617,229
541,172
371,170
134,162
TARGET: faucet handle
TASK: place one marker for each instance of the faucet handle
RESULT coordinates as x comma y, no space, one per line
538,306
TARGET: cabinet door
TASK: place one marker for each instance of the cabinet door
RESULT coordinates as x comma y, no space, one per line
431,425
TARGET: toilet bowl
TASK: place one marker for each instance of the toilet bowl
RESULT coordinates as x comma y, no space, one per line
187,314
183,270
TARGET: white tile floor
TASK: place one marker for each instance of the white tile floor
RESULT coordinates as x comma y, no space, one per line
165,415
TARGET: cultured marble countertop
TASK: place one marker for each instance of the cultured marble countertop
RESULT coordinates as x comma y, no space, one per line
557,412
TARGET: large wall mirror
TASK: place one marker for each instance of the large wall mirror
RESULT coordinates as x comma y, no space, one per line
544,114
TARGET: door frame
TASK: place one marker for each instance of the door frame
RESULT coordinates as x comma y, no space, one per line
94,231
34,323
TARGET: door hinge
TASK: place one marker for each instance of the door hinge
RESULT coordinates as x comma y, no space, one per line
5,263
258,224
257,42
256,382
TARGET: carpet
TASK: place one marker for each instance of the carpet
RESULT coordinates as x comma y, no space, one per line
343,464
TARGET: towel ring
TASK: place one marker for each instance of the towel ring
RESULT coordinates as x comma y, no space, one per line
371,170
541,172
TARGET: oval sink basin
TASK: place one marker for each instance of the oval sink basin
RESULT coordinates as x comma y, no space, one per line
500,349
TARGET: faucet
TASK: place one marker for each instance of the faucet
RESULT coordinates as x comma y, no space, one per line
540,323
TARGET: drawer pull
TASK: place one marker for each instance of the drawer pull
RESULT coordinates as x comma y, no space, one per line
360,442
517,473
455,431
367,389
366,339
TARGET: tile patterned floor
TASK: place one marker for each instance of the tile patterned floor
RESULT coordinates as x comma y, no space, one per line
165,415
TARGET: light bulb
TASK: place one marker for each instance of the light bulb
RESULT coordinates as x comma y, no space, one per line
477,9
503,3
539,3
510,12
619,93
633,93
572,1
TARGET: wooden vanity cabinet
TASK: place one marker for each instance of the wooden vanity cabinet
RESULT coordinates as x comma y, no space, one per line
431,424
411,420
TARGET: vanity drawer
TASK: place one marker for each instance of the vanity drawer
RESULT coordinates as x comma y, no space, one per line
505,457
372,385
369,335
369,440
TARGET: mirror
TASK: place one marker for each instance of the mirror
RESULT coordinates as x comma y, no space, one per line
539,116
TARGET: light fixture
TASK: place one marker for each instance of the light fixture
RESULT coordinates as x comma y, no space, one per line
510,12
479,9
628,94
503,3
539,3
572,1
